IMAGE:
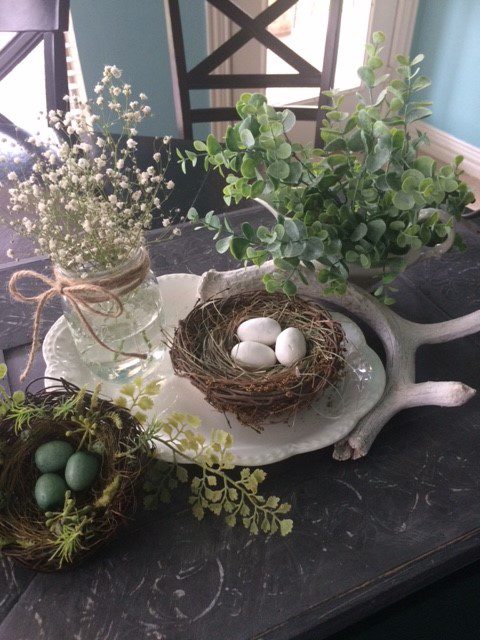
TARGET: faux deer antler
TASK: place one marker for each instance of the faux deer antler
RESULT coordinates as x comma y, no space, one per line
401,338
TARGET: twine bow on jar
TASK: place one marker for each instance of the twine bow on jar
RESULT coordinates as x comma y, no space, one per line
83,295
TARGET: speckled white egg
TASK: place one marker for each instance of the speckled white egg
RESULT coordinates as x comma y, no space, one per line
290,346
253,355
264,330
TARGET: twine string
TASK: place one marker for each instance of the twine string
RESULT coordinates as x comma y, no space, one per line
83,296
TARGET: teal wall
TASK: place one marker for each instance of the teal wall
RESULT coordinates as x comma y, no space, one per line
132,35
448,32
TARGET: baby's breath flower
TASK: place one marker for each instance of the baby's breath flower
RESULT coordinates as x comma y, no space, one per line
90,211
170,184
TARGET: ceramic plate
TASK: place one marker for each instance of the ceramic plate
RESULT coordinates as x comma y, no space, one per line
327,420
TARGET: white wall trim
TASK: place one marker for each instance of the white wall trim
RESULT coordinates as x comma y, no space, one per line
404,27
219,29
445,147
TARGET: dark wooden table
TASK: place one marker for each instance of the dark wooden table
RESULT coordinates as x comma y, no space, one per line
366,534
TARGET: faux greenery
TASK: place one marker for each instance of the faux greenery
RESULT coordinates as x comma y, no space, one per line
213,489
356,201
60,537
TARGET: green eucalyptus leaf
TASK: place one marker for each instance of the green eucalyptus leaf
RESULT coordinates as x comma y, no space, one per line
374,63
192,215
278,169
283,151
291,229
409,185
247,138
238,247
364,119
314,249
351,256
417,59
354,143
403,60
338,144
377,159
376,229
290,289
248,231
232,139
417,114
294,173
426,165
223,244
293,249
365,261
248,167
199,145
403,201
288,120
420,83
359,232
213,146
378,37
367,76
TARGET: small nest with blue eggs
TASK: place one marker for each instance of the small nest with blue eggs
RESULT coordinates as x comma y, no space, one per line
202,343
85,520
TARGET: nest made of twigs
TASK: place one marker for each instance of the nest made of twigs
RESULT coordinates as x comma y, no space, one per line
202,343
22,524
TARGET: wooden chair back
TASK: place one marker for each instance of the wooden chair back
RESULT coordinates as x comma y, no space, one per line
34,21
200,77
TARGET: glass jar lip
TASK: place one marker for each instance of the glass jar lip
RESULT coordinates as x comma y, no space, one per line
92,274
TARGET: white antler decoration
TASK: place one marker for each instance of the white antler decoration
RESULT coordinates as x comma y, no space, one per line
401,338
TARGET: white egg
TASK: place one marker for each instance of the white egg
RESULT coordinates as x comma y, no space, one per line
290,346
253,355
264,330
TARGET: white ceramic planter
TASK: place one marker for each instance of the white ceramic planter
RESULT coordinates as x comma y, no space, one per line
368,278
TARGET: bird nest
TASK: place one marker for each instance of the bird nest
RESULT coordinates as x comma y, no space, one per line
202,343
54,540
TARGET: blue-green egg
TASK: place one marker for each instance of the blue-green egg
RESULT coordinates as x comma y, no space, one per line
81,470
50,491
53,456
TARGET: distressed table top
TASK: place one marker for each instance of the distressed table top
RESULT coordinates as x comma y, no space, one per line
366,533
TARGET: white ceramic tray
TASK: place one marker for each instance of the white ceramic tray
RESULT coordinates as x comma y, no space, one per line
327,420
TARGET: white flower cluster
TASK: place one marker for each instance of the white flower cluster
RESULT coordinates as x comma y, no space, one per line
87,202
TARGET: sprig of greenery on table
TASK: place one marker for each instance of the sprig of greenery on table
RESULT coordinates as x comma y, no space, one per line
357,201
213,489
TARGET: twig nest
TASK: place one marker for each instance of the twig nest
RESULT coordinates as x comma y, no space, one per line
60,500
205,349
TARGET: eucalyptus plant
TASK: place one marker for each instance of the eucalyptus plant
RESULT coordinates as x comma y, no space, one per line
366,198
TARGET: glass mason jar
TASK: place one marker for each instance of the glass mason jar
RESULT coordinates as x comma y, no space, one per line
137,330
